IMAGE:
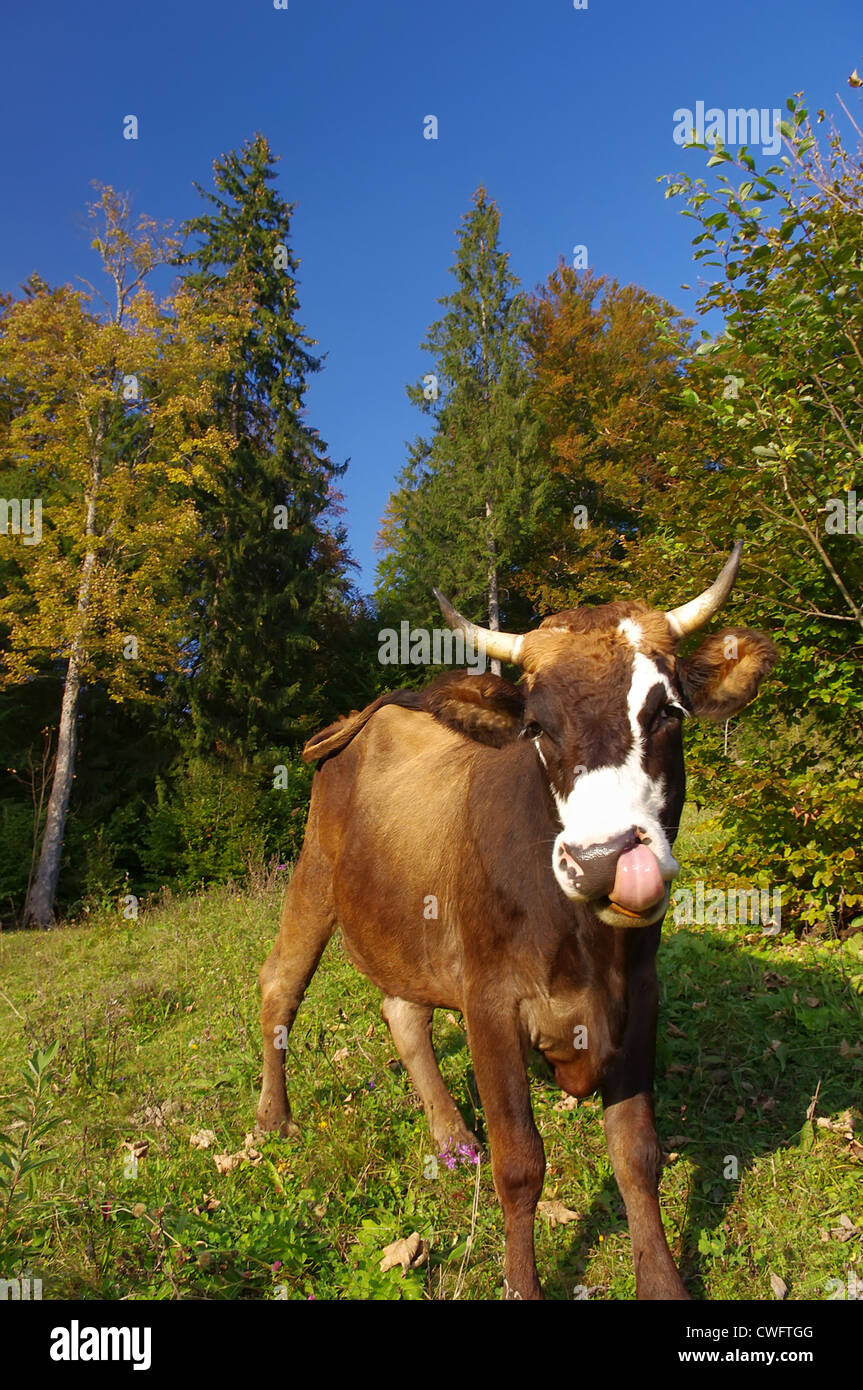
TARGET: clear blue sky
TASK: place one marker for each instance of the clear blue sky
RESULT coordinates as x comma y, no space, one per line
566,116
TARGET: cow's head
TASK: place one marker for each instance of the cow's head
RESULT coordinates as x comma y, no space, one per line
604,698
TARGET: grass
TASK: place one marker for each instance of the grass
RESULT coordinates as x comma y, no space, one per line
157,1036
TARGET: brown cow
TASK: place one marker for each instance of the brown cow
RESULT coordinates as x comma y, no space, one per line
541,818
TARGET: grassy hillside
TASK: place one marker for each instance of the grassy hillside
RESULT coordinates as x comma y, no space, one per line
157,1038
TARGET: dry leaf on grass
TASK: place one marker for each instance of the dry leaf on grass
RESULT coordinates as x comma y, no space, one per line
226,1163
674,1032
557,1213
202,1139
568,1103
843,1124
411,1252
845,1230
207,1203
779,1286
138,1148
342,1055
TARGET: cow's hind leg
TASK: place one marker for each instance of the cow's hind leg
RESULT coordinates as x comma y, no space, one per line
411,1029
308,922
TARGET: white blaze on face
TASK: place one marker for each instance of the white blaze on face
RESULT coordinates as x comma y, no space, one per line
609,800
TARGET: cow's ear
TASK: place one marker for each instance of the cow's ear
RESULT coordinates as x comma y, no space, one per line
725,672
485,708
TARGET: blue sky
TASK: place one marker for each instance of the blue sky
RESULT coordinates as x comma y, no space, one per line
565,115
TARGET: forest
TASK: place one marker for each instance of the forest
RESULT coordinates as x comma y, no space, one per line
178,606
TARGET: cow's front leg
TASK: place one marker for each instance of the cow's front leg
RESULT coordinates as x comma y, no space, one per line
517,1155
630,1130
634,1150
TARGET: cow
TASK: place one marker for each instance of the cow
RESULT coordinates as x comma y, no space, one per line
540,819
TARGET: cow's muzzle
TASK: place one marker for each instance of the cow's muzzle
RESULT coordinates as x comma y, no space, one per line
623,870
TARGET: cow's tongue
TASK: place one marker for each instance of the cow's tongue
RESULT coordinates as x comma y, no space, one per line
638,884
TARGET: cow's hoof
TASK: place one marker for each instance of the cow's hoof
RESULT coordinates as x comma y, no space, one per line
284,1126
457,1143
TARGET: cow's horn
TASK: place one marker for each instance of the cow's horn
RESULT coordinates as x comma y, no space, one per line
503,645
696,613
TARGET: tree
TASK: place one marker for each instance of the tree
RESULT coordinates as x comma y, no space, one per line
468,499
775,400
605,362
275,565
108,415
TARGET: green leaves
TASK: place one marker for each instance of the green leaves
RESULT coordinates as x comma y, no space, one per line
22,1148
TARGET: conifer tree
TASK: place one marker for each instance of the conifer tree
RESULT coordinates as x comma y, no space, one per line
274,566
469,497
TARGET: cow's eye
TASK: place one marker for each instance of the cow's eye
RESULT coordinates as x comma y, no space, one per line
531,729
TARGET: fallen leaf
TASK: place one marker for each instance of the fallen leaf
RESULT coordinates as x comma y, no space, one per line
138,1209
370,1031
812,1002
845,1230
701,1005
411,1252
676,1069
674,1032
226,1163
342,1055
740,1112
843,1124
207,1203
451,1018
202,1139
138,1148
568,1103
779,1286
557,1213
772,980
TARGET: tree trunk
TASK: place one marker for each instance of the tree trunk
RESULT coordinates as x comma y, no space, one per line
493,597
39,907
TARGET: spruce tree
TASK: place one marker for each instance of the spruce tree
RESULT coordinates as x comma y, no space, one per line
272,566
469,497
